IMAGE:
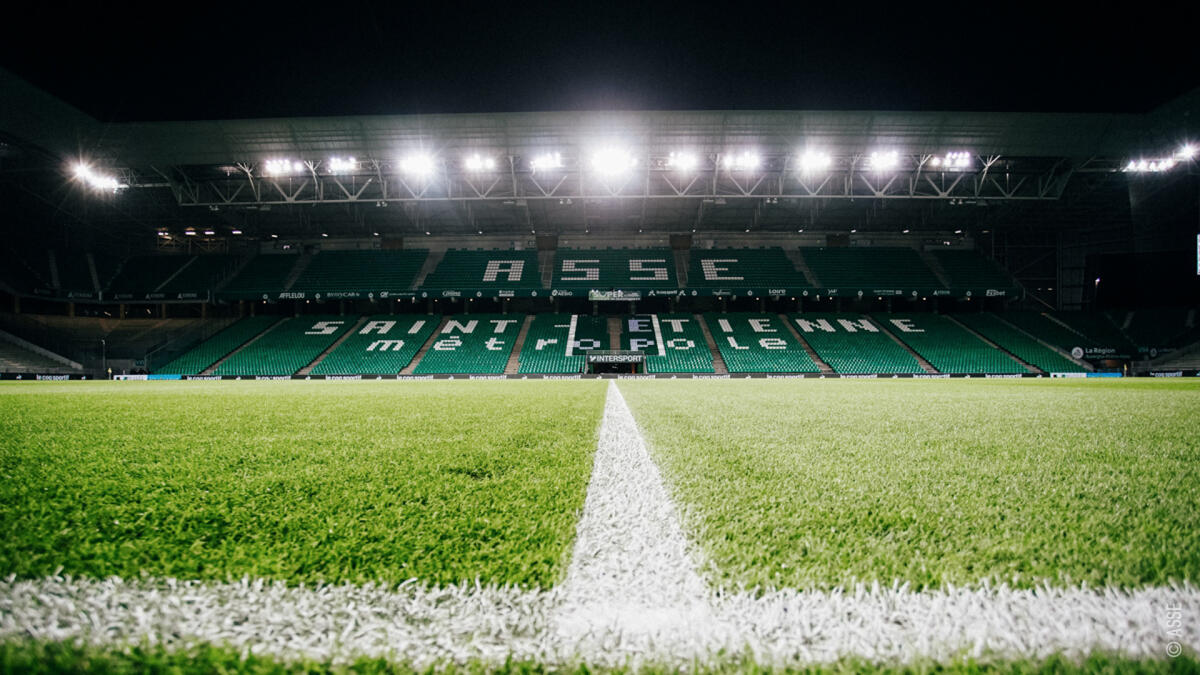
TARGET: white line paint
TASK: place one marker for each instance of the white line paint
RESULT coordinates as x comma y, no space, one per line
631,596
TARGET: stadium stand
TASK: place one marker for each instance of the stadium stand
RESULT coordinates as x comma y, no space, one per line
383,344
26,271
683,346
1099,329
201,275
1019,344
870,269
545,349
1042,327
361,271
743,267
139,275
475,343
485,270
1160,328
969,269
265,274
757,343
853,343
947,346
287,347
614,268
74,275
208,352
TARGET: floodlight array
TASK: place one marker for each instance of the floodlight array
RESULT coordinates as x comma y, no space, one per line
282,167
417,164
683,161
1185,153
745,161
342,165
479,163
952,161
813,161
883,161
546,161
96,180
611,161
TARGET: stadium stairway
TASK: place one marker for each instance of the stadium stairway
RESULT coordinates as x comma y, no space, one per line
614,332
412,365
302,262
213,368
336,343
1024,364
514,357
93,274
682,260
812,353
546,261
935,266
925,365
431,263
797,258
719,366
171,277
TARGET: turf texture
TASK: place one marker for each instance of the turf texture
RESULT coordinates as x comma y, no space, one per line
818,484
297,481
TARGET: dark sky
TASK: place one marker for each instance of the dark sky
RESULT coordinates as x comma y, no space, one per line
363,58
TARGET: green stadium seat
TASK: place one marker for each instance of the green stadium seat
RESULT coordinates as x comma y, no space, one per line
683,349
140,275
609,268
367,271
1019,344
383,344
870,269
208,352
969,269
474,343
201,275
485,270
264,275
758,343
853,343
545,347
947,346
735,268
288,347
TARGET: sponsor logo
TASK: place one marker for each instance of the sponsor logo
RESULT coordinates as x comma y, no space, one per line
861,376
635,377
784,377
932,376
1003,376
561,294
1173,373
711,377
451,294
272,377
562,377
292,295
884,292
776,291
343,377
487,377
1077,352
995,293
413,378
202,377
722,292
939,292
67,377
1068,375
507,294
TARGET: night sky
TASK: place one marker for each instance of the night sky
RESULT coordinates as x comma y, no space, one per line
365,58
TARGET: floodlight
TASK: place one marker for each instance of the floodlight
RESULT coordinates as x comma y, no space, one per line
936,161
682,161
282,167
96,180
236,232
883,161
209,233
190,233
746,161
610,161
477,163
163,233
545,161
1188,151
812,161
342,165
418,163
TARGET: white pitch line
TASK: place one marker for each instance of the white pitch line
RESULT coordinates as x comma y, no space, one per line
631,596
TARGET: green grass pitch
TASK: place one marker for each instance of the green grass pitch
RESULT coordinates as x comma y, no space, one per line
815,484
304,482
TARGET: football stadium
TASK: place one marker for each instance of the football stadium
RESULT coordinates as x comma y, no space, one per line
664,391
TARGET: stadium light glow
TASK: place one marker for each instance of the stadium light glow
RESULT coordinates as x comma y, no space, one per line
236,232
883,161
342,165
612,161
546,161
477,162
1150,165
952,161
683,161
96,180
746,161
417,164
282,167
209,233
190,233
813,161
1187,151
